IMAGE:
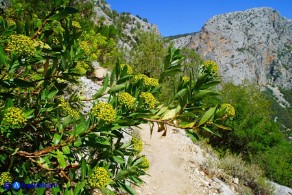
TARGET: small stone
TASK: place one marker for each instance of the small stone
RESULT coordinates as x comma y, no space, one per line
236,180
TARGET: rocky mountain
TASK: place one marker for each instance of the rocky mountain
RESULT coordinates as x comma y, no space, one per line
128,24
254,45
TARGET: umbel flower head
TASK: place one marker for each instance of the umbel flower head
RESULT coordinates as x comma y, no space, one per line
76,24
126,99
186,79
129,68
14,118
84,45
229,110
145,163
81,67
137,145
149,82
99,178
148,99
5,177
104,111
67,108
21,45
211,65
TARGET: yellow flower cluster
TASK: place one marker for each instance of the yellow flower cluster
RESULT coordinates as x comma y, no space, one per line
126,99
105,112
145,163
99,178
149,99
129,68
21,45
137,145
15,117
212,65
56,41
5,177
149,82
230,111
67,108
81,67
76,24
84,45
10,22
186,79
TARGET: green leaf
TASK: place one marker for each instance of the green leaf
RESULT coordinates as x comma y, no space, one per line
207,116
66,121
122,174
210,84
29,113
222,127
59,16
40,191
57,138
106,191
192,135
101,91
79,186
3,57
187,124
119,159
169,114
203,93
22,83
128,189
180,94
117,88
211,131
61,159
124,79
66,150
83,168
137,161
52,93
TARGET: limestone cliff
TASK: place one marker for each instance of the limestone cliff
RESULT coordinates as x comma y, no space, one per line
255,44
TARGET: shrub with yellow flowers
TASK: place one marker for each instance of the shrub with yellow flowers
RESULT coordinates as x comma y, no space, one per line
128,67
14,118
21,45
126,99
104,111
81,67
137,145
148,82
99,178
145,164
148,99
186,79
67,108
76,25
229,110
5,177
212,66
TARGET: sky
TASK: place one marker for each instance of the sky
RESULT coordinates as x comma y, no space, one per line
186,16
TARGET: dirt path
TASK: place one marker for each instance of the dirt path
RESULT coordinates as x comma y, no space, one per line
174,166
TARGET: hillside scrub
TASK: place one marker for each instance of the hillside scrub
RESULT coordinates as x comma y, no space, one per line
44,135
254,133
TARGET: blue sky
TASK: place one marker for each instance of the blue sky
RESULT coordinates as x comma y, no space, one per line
185,16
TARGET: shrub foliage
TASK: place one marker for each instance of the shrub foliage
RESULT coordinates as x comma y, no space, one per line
44,135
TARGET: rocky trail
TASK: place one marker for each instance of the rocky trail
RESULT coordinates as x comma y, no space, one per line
175,166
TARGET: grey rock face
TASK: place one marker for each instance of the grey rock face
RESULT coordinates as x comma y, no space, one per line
255,44
281,190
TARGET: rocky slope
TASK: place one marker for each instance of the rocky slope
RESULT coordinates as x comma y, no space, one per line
128,24
255,44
